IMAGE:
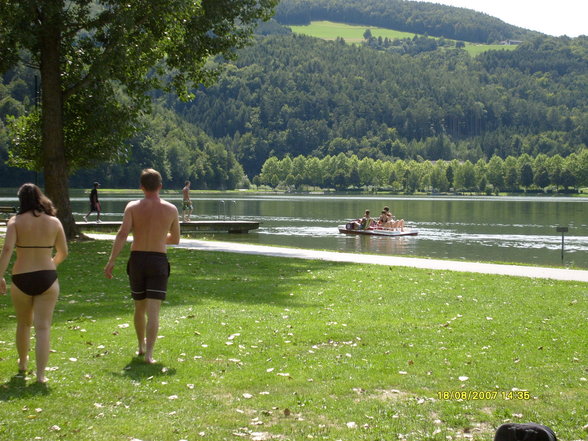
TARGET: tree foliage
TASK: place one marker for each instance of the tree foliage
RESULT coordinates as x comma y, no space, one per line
296,96
99,59
302,96
344,172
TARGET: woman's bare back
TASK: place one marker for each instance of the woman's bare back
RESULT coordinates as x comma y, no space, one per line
35,238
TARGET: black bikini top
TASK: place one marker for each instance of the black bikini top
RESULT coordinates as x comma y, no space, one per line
33,246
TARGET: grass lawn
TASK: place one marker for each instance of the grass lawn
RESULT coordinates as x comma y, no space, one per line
328,30
261,348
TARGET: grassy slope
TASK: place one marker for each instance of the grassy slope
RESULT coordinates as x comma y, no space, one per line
354,34
263,348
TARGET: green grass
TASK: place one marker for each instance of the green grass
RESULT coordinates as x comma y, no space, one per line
476,49
328,30
257,347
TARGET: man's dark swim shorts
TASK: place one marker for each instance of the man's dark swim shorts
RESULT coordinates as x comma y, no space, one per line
148,273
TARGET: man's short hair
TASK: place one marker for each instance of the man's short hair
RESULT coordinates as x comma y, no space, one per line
150,179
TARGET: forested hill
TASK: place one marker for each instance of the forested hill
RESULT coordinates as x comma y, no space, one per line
298,95
290,95
409,16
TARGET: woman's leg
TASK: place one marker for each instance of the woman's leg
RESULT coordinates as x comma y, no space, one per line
23,306
43,306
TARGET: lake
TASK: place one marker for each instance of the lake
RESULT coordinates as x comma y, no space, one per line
506,229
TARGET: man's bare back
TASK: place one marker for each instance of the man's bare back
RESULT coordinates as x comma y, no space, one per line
153,222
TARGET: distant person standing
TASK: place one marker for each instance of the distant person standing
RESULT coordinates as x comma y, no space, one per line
187,206
94,203
154,224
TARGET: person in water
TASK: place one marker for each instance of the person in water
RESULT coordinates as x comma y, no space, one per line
154,223
392,222
33,232
366,221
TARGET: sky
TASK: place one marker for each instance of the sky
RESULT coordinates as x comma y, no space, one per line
552,17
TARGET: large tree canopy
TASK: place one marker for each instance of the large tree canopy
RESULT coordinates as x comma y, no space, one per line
98,60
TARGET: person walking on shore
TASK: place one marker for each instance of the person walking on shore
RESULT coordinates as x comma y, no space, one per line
187,206
94,203
34,232
154,224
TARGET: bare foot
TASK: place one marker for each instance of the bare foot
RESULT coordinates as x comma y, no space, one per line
149,359
42,380
141,350
22,366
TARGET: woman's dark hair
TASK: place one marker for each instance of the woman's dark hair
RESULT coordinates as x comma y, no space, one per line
32,198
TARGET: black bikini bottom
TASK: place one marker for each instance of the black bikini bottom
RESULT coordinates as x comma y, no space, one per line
35,282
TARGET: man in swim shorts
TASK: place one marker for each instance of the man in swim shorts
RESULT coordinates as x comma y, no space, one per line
186,203
154,223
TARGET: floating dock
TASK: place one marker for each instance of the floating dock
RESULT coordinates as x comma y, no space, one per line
212,226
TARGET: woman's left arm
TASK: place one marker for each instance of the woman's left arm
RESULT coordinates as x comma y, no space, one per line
7,249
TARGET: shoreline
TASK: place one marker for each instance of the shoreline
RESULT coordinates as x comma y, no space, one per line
562,274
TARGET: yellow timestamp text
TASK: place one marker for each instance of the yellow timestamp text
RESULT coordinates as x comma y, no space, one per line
475,395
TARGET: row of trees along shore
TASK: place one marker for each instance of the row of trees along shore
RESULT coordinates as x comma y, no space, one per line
554,173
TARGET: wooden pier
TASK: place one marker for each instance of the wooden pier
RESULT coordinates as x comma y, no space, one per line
212,226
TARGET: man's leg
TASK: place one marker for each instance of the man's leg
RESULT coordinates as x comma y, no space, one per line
140,323
152,307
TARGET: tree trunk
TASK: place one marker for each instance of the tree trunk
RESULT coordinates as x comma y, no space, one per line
54,162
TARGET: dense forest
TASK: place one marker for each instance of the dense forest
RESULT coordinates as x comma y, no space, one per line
301,96
290,95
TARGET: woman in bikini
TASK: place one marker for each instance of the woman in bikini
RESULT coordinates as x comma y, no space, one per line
34,232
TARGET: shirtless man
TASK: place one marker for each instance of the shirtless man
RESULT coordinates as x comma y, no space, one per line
187,203
154,224
392,221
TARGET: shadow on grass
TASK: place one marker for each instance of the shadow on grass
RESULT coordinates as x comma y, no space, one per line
196,277
137,370
17,387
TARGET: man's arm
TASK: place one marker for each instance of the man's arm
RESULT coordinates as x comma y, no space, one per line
173,237
120,240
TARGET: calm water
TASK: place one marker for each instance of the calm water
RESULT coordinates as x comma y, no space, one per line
508,229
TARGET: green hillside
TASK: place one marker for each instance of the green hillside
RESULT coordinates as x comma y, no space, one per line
410,98
408,16
328,30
